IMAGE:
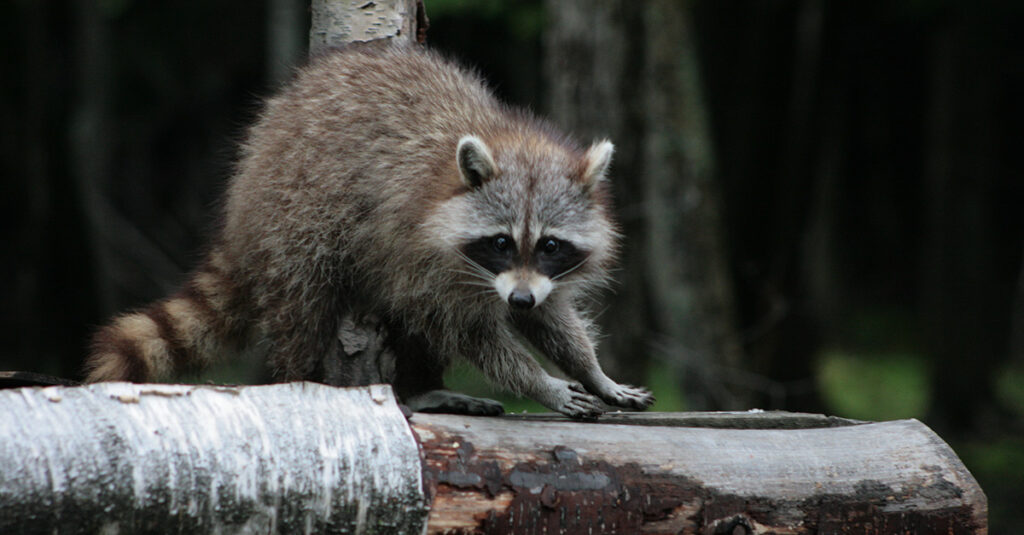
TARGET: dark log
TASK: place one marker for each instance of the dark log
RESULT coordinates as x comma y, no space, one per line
734,473
16,379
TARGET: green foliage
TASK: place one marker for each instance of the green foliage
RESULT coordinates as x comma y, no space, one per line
874,386
1010,388
663,382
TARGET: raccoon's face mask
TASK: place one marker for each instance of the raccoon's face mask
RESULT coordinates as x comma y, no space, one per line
523,275
534,219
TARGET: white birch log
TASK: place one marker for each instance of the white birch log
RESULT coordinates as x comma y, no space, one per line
129,458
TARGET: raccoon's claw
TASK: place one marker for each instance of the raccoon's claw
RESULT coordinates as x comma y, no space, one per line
630,397
581,404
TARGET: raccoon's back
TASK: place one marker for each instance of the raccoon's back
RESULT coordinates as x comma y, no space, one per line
360,144
371,113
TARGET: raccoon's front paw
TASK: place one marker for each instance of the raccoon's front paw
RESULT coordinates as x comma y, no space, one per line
628,396
578,403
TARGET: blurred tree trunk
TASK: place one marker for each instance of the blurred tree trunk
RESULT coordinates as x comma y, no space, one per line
1017,322
801,285
779,115
126,262
29,282
286,38
692,292
629,72
591,71
90,141
965,307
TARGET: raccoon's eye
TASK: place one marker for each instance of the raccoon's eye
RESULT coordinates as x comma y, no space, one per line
501,243
548,245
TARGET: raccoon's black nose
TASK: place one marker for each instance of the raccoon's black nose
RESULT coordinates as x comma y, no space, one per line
521,299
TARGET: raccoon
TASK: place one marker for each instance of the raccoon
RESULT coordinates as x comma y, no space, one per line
388,181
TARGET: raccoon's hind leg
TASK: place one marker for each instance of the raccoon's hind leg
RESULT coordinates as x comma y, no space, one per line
299,321
419,382
564,336
182,333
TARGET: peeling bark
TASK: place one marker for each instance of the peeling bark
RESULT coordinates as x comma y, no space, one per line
336,22
127,458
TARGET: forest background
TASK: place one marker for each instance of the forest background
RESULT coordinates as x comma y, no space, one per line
822,201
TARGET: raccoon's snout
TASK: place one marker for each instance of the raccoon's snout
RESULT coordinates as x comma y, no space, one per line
522,289
521,298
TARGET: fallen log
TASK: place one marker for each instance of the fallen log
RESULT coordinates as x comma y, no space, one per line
738,473
121,457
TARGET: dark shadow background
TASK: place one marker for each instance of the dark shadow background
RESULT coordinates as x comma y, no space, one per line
867,155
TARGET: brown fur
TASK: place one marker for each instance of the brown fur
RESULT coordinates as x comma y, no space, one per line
348,198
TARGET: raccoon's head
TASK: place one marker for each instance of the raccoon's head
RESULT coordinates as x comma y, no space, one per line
533,217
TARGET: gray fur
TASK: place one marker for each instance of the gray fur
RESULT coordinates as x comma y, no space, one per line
351,196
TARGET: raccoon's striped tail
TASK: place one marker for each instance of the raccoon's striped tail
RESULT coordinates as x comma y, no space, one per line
183,333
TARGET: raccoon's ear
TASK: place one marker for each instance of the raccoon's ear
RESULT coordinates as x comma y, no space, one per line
596,162
476,165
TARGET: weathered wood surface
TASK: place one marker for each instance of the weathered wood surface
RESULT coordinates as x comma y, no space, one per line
548,475
14,379
752,419
127,458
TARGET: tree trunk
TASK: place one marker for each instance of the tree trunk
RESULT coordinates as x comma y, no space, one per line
123,257
336,22
609,76
28,288
591,73
89,146
692,292
362,355
965,308
1017,322
285,42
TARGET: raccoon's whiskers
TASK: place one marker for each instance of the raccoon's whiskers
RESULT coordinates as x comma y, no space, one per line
586,283
474,274
473,264
478,284
570,270
474,295
588,286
